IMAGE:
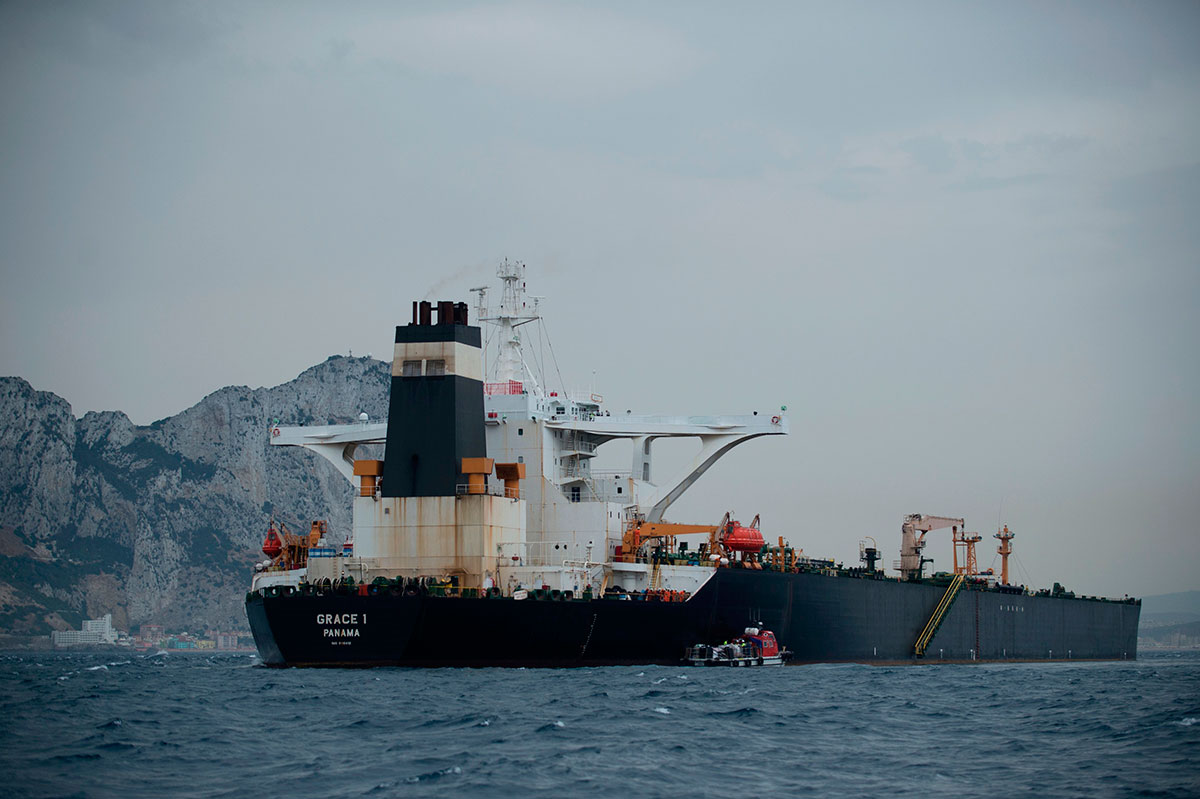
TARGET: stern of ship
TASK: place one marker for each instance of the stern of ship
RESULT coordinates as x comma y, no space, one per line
264,639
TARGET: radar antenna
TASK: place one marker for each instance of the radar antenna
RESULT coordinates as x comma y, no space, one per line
515,310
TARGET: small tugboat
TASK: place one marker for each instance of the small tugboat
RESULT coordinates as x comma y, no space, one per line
756,647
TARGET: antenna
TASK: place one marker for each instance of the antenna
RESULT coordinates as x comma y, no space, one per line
481,301
512,313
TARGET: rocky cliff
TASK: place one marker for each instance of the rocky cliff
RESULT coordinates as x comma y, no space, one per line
162,523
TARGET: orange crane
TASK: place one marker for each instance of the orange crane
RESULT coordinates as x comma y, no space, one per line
639,532
287,550
724,539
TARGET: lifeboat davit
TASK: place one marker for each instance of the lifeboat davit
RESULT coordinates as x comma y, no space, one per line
272,544
742,539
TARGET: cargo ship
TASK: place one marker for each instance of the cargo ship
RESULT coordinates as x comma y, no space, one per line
485,536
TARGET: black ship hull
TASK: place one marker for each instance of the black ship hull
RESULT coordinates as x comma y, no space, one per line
821,618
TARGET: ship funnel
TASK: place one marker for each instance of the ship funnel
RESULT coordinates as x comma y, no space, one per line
435,415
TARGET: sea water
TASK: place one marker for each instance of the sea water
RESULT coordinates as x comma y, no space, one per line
99,725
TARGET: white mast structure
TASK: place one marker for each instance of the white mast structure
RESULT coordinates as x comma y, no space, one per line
513,312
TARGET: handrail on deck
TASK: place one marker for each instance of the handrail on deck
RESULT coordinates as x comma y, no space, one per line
939,613
462,489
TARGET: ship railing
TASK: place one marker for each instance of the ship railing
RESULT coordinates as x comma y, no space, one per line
464,489
546,553
582,564
596,491
939,613
278,569
583,471
577,470
464,592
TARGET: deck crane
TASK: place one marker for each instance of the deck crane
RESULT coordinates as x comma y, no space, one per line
639,532
725,540
288,550
912,544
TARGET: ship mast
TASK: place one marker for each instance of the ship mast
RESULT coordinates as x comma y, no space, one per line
1005,549
967,542
514,311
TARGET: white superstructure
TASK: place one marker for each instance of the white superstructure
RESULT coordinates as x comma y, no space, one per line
575,515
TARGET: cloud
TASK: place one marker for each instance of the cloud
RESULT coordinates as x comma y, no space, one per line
1046,145
1158,210
851,183
933,153
974,162
983,183
131,35
1160,190
550,51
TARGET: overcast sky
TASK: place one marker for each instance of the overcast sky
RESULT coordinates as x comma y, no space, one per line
960,241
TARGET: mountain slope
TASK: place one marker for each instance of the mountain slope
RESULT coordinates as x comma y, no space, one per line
161,523
1170,609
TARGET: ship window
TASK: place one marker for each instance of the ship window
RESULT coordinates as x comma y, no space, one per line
411,369
435,368
618,489
520,431
520,459
574,493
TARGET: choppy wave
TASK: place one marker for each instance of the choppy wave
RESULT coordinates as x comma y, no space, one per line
84,725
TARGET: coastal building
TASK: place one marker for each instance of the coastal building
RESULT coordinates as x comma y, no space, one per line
152,633
95,631
227,640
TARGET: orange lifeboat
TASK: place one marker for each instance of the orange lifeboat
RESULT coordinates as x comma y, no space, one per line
272,544
742,539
